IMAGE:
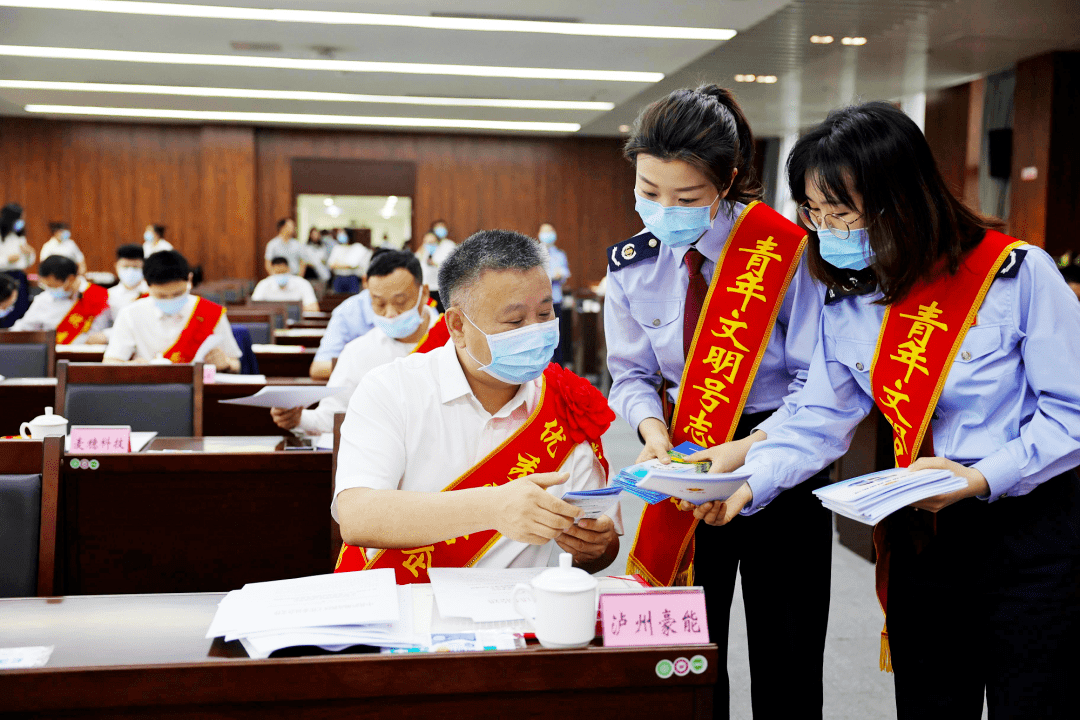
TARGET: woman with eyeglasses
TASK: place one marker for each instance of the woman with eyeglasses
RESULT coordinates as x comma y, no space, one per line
711,306
965,339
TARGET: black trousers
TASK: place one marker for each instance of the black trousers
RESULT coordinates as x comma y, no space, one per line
784,553
986,598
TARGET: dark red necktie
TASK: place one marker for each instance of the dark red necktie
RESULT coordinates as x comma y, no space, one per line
696,289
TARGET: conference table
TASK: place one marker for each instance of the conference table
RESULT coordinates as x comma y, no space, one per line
145,656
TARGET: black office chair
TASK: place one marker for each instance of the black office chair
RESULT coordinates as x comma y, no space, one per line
27,354
29,488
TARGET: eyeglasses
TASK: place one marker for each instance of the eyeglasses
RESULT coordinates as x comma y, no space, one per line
841,228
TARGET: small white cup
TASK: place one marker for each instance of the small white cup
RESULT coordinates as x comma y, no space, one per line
44,426
565,601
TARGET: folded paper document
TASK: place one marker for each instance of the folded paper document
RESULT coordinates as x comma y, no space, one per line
870,498
594,502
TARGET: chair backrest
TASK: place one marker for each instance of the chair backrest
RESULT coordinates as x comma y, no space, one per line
29,489
27,354
166,399
293,310
259,322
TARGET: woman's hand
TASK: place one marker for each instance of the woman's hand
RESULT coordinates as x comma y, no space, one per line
977,484
721,513
657,443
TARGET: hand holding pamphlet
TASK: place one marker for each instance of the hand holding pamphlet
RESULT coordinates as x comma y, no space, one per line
594,502
870,498
654,481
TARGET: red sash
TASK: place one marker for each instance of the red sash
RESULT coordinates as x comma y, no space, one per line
748,287
919,337
436,336
541,445
91,303
204,318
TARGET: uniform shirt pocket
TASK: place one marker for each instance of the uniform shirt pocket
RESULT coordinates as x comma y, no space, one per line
856,355
981,355
655,314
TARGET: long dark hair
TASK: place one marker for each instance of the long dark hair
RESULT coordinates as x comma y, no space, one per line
8,215
915,224
706,128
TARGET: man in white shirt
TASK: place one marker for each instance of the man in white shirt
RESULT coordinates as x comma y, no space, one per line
60,243
62,289
129,270
154,240
172,324
283,286
398,295
416,425
348,261
287,246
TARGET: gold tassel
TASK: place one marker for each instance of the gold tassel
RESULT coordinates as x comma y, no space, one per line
885,658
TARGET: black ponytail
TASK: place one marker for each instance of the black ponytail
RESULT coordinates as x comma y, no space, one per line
706,128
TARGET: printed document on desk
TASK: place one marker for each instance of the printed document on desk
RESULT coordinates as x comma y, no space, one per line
286,396
480,594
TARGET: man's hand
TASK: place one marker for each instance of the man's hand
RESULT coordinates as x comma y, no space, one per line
524,511
721,513
219,360
728,456
13,258
589,541
977,484
657,443
286,418
98,338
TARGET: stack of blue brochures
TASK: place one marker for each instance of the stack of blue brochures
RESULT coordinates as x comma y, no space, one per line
630,478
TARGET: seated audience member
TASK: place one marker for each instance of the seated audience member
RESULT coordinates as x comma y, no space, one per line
402,319
1071,273
60,243
485,416
283,286
154,240
73,307
129,270
350,320
9,293
172,324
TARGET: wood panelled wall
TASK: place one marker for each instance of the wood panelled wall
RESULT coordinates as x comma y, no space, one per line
220,189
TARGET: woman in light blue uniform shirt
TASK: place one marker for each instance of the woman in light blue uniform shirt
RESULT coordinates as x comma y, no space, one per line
694,149
983,583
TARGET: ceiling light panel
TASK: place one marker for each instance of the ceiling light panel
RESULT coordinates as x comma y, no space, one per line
221,12
364,66
303,96
301,118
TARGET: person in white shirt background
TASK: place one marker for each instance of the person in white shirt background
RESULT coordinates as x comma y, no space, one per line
285,245
129,270
317,249
60,243
148,327
402,317
283,286
61,285
416,424
349,263
16,256
559,272
154,240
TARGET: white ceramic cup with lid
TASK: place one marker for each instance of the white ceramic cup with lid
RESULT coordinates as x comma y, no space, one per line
44,426
565,602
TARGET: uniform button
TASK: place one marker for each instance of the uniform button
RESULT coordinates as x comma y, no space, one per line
656,322
859,366
965,355
652,243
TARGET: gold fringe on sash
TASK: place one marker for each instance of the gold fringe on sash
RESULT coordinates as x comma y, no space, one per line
885,657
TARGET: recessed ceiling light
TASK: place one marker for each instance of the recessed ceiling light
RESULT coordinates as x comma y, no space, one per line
328,202
853,41
821,39
301,118
624,128
745,78
224,12
332,65
304,95
765,79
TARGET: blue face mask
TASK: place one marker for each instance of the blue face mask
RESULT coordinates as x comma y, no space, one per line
547,237
852,253
7,311
282,279
130,276
402,325
675,226
521,354
18,225
65,234
58,293
148,236
171,306
342,237
440,232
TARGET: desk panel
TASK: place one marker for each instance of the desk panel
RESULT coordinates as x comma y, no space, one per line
284,360
307,337
144,656
190,521
22,400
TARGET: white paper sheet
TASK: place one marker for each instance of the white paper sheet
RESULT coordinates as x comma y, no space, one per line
696,488
230,379
25,657
286,396
325,441
482,595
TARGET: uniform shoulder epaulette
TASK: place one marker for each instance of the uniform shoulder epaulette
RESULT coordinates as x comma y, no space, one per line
1012,264
628,252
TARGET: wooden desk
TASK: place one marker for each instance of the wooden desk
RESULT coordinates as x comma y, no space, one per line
220,513
23,399
307,337
221,419
144,656
80,353
284,360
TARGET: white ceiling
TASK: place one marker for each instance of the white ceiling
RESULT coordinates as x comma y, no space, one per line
913,45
